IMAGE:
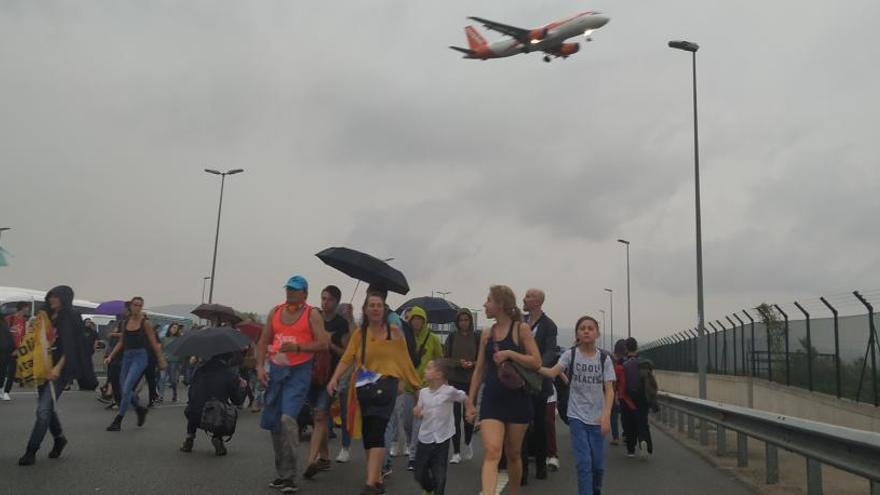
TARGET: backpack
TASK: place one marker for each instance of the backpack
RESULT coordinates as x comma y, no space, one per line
640,380
219,417
563,389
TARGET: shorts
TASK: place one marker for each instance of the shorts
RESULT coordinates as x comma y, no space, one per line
373,432
318,398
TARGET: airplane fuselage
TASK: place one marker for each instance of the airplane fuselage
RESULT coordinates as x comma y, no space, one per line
546,38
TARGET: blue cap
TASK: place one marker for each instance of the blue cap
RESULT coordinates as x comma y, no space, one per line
297,282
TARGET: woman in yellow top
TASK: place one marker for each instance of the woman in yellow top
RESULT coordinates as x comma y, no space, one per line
383,369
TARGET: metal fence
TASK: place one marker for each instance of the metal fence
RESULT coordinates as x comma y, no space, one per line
850,450
836,355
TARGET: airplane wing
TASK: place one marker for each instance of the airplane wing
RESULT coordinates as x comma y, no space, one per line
519,34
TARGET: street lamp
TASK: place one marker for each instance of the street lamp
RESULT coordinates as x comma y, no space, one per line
443,293
4,229
701,326
604,339
628,307
204,280
611,311
217,234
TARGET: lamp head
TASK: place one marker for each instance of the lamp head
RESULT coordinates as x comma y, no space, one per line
212,171
235,171
684,45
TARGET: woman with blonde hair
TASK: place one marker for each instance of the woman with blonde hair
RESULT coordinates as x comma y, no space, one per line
506,407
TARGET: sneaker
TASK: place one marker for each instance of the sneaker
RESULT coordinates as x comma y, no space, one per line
289,486
344,455
373,490
386,472
456,458
411,466
116,425
219,446
381,487
615,441
324,464
630,455
5,397
57,447
187,445
406,451
141,415
643,450
394,450
311,470
553,463
28,459
468,452
277,483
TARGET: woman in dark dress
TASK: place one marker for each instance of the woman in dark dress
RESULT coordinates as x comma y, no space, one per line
504,413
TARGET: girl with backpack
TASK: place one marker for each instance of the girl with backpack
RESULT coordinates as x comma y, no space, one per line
590,373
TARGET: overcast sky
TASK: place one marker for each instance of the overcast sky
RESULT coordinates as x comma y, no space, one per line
357,126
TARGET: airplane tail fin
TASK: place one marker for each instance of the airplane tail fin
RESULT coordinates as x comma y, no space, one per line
475,39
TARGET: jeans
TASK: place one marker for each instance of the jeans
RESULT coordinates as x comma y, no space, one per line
588,445
430,470
285,397
405,402
134,362
170,377
47,418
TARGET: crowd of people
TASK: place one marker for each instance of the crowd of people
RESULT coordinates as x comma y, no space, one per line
389,374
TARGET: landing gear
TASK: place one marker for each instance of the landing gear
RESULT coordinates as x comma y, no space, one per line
547,59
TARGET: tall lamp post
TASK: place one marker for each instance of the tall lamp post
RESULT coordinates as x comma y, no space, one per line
604,339
628,302
444,293
611,311
4,229
217,234
701,324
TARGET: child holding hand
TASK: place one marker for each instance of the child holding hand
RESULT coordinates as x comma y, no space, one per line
434,408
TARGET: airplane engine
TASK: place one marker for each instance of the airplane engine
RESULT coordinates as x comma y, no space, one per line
567,49
538,34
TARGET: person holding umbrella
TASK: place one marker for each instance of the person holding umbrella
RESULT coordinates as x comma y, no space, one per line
137,334
294,332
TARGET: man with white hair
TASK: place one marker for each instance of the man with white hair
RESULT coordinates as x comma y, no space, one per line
545,332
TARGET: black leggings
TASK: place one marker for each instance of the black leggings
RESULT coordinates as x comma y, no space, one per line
373,432
468,426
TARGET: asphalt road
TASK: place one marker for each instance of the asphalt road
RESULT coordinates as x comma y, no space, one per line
146,461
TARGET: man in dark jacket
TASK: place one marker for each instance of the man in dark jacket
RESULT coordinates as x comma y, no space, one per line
214,379
68,363
545,333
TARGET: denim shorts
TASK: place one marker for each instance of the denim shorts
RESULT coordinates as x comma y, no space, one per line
286,393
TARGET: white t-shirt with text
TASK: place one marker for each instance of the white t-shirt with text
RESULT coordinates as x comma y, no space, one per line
586,397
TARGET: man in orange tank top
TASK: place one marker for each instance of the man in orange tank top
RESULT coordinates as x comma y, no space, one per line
294,331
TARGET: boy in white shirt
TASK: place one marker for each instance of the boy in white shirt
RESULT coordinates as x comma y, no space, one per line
434,408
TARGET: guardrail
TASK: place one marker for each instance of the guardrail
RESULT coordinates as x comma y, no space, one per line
853,451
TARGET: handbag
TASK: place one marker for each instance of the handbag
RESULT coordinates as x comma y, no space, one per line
514,375
380,392
507,375
219,417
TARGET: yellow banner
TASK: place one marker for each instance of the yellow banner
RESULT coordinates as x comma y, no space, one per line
32,355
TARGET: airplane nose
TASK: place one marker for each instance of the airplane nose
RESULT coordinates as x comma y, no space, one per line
601,20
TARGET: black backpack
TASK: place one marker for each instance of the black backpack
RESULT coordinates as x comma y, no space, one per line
219,417
563,389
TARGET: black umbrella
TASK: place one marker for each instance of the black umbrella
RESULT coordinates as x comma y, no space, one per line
366,268
439,310
217,313
209,342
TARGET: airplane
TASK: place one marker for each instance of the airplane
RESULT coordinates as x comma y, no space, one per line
549,39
